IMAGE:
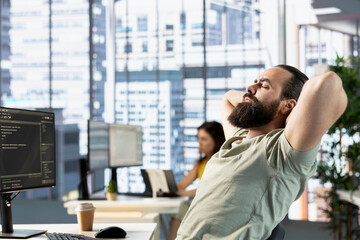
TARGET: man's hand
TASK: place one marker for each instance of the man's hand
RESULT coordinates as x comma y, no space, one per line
230,100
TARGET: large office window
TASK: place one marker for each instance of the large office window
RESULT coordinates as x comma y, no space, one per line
194,52
5,50
319,47
29,54
45,65
173,61
170,63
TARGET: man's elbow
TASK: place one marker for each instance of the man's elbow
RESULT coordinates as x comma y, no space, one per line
329,86
329,83
333,79
333,86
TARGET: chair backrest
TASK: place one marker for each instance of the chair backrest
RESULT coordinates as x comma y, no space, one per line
278,233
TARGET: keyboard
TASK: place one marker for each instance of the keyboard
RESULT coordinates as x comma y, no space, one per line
168,194
147,194
144,194
67,236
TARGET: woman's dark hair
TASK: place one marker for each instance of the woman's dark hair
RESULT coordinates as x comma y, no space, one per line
292,87
215,130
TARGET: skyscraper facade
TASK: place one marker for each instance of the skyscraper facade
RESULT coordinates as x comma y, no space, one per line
164,40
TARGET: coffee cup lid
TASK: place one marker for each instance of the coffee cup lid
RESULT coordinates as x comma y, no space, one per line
85,206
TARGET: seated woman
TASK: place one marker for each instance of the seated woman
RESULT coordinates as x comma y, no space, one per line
210,137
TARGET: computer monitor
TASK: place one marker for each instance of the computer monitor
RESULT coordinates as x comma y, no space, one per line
125,145
27,160
97,159
98,145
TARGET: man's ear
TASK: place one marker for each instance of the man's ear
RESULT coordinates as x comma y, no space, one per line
288,105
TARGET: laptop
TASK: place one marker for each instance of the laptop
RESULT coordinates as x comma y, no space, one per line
168,191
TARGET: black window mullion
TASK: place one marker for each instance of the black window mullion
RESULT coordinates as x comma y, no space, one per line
204,55
50,56
91,53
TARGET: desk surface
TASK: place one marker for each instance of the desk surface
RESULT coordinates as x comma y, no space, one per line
131,209
130,204
135,231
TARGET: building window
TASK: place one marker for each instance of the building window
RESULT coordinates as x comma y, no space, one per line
128,47
119,26
197,25
197,41
169,27
182,20
144,46
169,45
142,23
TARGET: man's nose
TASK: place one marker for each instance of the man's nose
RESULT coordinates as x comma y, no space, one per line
252,88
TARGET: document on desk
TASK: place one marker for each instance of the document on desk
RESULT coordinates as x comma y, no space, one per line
158,180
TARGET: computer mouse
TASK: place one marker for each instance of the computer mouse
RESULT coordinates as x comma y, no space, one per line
111,232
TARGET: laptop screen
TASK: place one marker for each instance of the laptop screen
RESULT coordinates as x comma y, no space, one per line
162,179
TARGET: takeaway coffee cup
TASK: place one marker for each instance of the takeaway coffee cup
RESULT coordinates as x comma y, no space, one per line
85,216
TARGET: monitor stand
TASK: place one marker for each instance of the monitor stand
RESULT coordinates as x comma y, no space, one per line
6,221
83,185
22,233
114,177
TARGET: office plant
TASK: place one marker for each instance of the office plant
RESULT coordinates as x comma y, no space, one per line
111,190
341,165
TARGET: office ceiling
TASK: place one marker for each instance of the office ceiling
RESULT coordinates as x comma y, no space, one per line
345,21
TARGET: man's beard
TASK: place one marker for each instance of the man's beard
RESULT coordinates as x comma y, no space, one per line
253,114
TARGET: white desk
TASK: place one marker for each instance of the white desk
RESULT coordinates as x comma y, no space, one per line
140,231
132,209
130,204
349,196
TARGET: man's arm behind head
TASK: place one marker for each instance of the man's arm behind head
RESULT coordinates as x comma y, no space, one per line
230,100
322,101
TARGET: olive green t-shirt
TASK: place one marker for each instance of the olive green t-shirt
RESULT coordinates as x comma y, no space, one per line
247,188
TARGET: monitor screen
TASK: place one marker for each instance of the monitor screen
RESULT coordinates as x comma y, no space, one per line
125,145
98,145
27,150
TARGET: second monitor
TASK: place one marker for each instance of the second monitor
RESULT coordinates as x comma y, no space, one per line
125,145
111,146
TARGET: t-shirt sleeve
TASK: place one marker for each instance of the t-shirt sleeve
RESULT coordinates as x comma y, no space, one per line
282,155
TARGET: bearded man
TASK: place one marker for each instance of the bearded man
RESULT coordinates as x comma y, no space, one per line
272,138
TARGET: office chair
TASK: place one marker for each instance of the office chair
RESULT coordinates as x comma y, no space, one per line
278,233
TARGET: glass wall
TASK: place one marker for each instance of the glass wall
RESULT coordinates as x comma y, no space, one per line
173,61
164,66
319,48
29,55
172,67
45,65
